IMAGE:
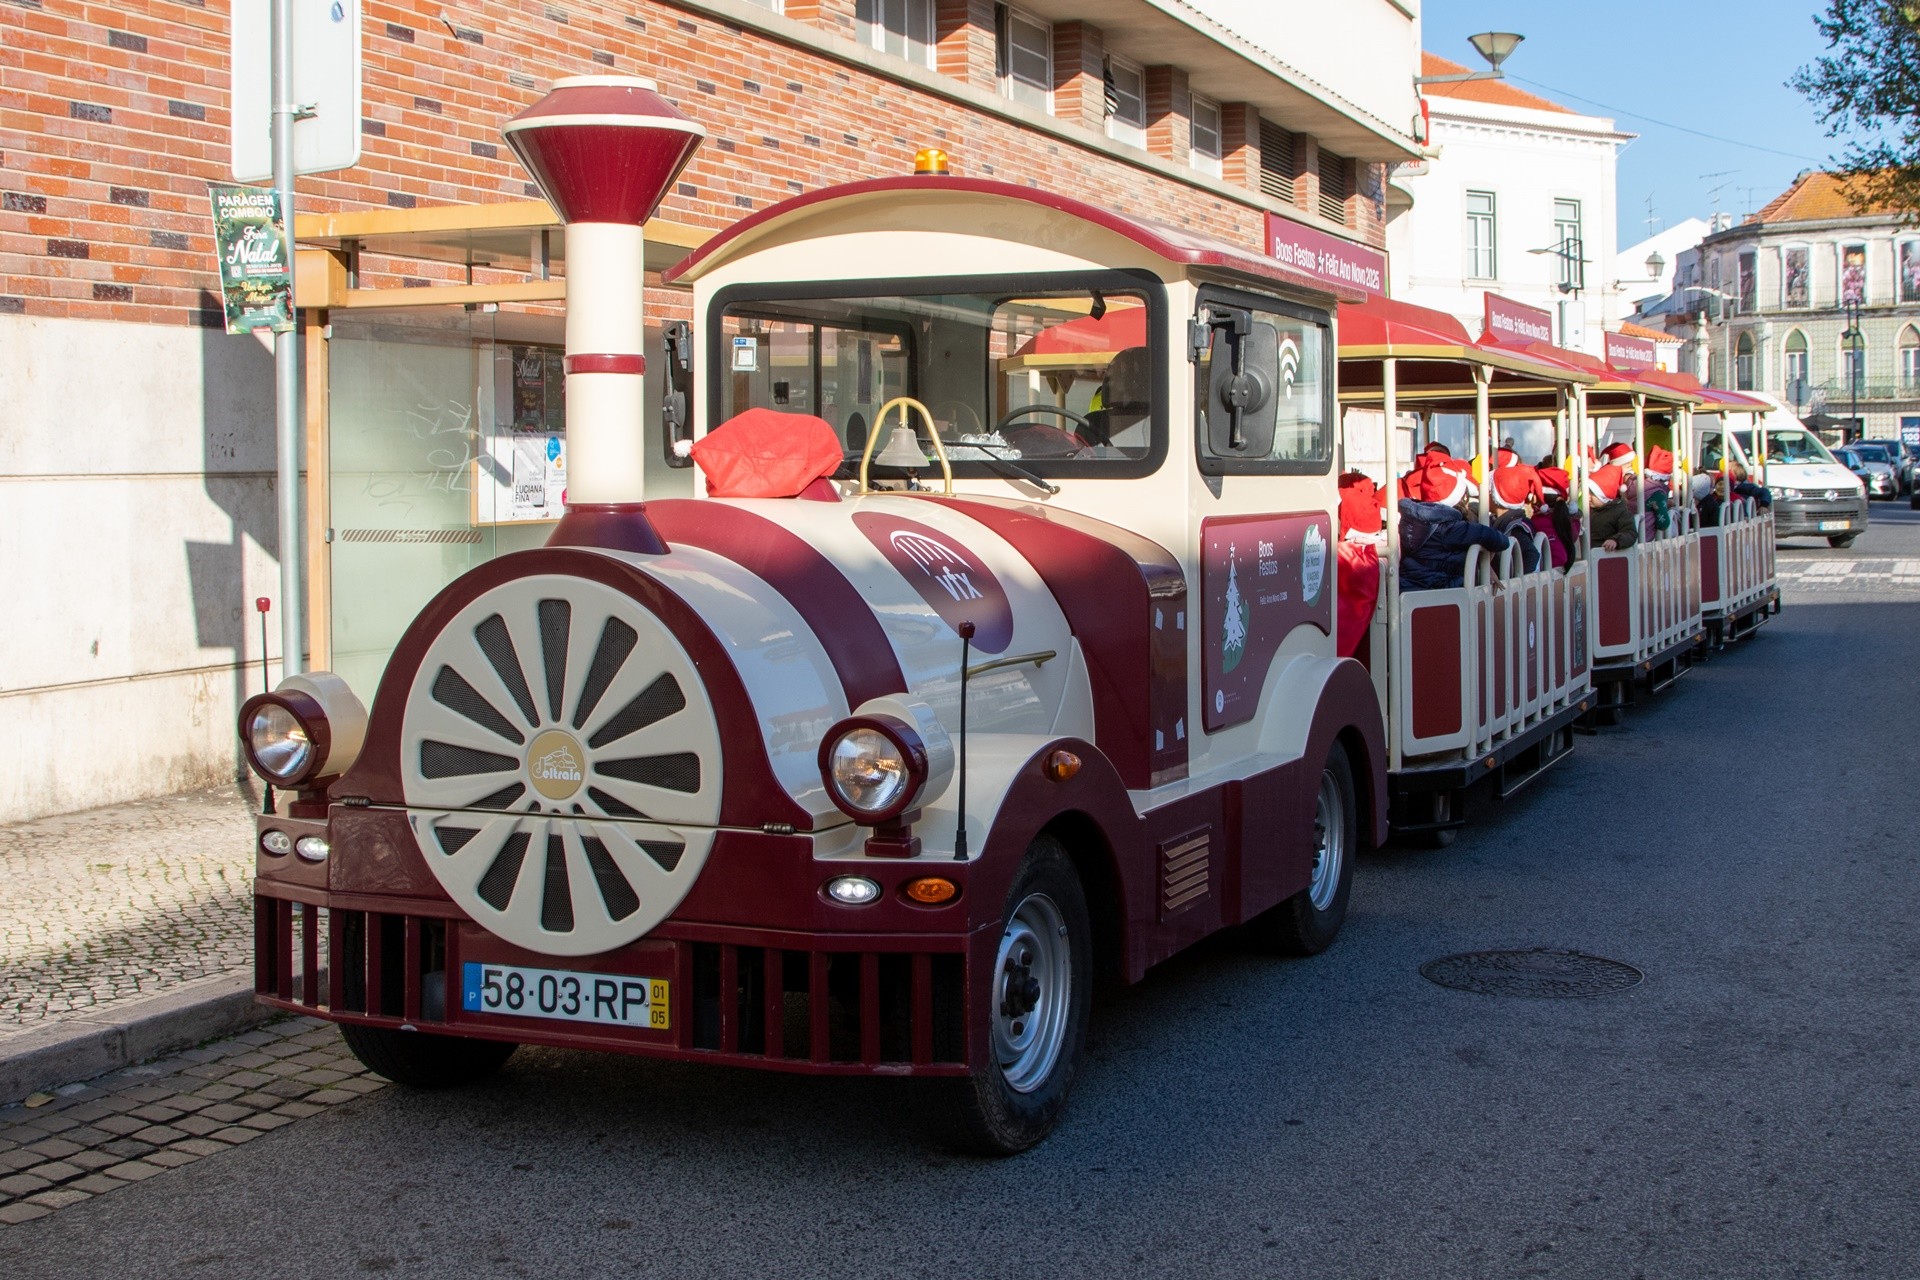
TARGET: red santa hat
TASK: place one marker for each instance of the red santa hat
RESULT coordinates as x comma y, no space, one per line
1515,485
1604,484
1659,461
1619,454
1443,483
1503,458
1554,483
1360,504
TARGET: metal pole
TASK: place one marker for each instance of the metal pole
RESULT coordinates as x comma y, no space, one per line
1390,559
1853,370
286,367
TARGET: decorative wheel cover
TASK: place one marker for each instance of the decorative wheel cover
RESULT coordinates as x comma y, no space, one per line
562,765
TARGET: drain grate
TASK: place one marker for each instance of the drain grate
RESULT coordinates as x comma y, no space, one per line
1543,973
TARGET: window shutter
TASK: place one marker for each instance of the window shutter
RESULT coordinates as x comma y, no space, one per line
1276,162
1336,184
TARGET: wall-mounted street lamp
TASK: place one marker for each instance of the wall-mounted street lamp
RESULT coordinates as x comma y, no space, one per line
1495,46
1655,265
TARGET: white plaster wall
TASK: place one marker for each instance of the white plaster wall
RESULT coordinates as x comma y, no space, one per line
136,527
1528,159
1367,51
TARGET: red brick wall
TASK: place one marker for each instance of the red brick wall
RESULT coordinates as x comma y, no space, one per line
113,120
1079,75
1169,114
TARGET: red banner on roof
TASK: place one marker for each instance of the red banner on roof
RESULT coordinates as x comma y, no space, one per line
1515,323
1325,257
1624,351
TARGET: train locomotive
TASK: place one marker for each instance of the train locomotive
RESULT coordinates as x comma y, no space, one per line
999,654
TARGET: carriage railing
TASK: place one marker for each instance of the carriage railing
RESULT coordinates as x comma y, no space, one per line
1487,661
1736,559
1647,596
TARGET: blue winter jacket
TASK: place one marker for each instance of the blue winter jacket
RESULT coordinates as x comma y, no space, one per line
1433,545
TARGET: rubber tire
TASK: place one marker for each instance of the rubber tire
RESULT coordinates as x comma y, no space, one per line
1440,837
423,1060
987,1116
1844,540
1296,927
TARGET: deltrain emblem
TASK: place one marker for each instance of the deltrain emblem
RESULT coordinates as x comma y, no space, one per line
554,765
955,583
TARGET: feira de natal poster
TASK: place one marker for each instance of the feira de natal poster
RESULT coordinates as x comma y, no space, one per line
256,277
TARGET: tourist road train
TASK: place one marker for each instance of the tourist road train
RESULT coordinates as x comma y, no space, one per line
1020,636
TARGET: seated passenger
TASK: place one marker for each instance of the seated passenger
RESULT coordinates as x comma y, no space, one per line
1516,496
1658,486
1619,454
1555,519
1610,509
1435,532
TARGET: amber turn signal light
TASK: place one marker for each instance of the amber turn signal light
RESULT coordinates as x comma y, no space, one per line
930,162
1060,765
932,890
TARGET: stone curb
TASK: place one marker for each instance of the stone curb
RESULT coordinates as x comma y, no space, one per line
78,1048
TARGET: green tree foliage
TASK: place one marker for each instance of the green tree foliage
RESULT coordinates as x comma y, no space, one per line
1867,89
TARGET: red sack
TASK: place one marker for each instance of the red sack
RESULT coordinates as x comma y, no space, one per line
763,453
1357,586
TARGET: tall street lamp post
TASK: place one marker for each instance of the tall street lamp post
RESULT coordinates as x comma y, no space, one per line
1852,335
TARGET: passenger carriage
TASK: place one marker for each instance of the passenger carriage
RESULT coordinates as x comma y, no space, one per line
1480,685
1738,587
864,775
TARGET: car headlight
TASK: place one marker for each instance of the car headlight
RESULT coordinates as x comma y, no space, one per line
310,727
1786,493
875,767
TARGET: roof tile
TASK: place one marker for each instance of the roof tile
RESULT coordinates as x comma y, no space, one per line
1498,92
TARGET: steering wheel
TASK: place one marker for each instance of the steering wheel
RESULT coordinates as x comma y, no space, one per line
1052,441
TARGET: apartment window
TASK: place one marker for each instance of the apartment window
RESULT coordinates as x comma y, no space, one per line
1795,353
1853,361
1126,102
1748,265
1569,244
1277,167
903,28
1481,261
1909,360
1026,58
1204,154
1336,184
1796,276
1743,363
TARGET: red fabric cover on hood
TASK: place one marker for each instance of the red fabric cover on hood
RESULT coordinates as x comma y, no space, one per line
766,454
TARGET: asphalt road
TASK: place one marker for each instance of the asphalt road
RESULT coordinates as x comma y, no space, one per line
1748,1111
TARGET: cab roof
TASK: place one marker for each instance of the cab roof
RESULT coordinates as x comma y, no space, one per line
1180,246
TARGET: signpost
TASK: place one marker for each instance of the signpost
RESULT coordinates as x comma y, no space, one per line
272,93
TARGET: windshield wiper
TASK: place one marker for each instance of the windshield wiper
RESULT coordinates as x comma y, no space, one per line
1008,470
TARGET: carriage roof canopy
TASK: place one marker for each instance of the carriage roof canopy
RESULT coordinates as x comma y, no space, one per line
1180,246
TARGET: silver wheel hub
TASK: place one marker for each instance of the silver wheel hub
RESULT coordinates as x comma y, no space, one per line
1329,843
1032,992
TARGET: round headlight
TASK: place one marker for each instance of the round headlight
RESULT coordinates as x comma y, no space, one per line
280,745
874,767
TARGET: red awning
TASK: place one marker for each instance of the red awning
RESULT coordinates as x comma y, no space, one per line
1118,329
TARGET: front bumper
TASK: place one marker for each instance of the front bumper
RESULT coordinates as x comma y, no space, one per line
1805,517
788,982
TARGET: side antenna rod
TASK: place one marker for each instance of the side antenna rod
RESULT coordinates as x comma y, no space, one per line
960,826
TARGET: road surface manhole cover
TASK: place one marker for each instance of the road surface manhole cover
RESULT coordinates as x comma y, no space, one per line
1543,973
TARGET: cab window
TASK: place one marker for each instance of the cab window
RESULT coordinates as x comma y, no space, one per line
1263,386
1057,376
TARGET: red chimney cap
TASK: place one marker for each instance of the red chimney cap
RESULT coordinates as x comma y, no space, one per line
604,148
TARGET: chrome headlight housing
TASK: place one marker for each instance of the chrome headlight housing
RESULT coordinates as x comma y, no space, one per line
310,727
875,767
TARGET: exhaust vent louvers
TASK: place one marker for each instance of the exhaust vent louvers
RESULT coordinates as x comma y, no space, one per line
1185,867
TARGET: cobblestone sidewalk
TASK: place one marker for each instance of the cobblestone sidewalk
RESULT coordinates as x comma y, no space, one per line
84,1140
121,902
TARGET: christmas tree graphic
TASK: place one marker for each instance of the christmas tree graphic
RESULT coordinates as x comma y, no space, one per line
1233,629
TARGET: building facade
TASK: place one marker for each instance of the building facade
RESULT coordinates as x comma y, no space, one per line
1517,199
136,472
1811,300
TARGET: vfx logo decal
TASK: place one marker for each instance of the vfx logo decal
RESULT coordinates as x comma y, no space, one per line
955,583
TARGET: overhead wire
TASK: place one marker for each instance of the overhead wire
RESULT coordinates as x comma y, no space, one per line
1666,124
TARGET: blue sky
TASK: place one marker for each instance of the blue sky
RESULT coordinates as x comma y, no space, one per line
1711,66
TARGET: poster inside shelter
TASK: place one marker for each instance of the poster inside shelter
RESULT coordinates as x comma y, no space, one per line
521,472
256,270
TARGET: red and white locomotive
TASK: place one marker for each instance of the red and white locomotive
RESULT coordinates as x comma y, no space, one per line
863,775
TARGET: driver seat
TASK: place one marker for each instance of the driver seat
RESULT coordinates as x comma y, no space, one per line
1126,396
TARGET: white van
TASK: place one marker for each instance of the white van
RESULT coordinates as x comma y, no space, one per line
1813,495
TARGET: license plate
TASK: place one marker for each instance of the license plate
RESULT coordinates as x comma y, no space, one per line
1828,526
568,996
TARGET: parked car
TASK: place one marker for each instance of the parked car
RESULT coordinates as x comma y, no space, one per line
1876,476
1896,457
1909,466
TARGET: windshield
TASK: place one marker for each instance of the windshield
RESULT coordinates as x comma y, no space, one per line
1788,445
1057,381
1872,453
